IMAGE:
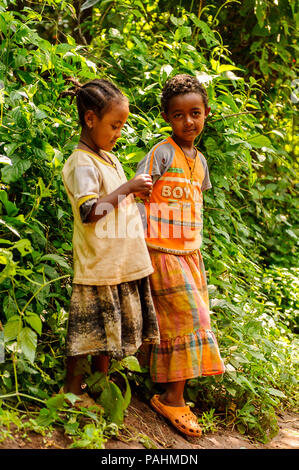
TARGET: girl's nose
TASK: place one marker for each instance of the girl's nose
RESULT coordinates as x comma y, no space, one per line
188,120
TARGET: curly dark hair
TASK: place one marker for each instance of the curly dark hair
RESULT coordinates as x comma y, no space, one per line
181,84
96,95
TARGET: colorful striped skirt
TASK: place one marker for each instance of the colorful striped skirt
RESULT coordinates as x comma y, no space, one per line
188,347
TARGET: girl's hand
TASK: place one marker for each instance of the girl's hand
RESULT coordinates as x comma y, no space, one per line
138,184
141,184
143,194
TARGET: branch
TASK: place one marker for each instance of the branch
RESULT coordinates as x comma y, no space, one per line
236,114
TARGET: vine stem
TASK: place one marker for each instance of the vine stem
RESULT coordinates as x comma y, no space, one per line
42,286
200,9
14,360
222,6
19,394
236,114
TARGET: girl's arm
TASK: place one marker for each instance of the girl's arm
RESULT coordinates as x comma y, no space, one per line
140,183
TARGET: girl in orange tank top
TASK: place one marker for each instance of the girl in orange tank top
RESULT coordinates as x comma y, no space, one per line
173,213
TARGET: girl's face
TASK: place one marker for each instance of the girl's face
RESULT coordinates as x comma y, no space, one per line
105,131
186,114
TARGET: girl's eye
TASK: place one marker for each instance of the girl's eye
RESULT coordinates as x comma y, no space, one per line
176,116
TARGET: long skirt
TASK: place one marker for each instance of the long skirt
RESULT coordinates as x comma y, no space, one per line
111,320
188,347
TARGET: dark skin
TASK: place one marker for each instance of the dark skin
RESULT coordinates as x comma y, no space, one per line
186,114
98,135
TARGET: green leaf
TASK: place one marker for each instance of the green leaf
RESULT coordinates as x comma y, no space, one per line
11,328
260,11
231,390
134,157
34,321
10,207
55,402
207,33
9,307
27,339
259,140
46,417
243,380
113,403
131,363
276,393
57,259
23,246
226,68
88,4
5,160
71,397
182,32
128,394
177,21
291,234
165,71
97,382
10,268
12,173
12,229
71,428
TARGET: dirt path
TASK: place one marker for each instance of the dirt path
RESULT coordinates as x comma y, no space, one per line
144,425
146,429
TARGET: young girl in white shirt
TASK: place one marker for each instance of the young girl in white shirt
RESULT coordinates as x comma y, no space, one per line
111,311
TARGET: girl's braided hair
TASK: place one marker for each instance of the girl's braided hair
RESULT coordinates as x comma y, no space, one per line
182,84
96,95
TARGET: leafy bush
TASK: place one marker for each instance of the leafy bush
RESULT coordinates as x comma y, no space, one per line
250,236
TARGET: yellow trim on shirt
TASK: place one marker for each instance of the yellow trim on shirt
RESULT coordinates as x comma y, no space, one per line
86,198
98,157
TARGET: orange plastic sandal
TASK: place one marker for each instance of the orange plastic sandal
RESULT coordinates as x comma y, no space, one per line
180,417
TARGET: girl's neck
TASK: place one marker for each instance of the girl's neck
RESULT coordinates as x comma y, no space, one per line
187,147
86,140
87,143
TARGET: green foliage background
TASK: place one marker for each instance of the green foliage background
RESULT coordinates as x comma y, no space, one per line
245,54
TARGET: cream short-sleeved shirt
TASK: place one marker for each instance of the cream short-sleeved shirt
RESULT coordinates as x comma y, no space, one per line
111,250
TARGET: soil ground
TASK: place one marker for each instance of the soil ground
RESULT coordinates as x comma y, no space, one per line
146,429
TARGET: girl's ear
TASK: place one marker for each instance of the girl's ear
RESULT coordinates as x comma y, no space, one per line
164,116
207,112
89,118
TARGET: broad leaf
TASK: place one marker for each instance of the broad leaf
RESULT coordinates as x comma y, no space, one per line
27,339
34,321
112,401
131,363
12,173
11,329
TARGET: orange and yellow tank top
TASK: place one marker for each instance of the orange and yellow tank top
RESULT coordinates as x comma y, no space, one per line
174,210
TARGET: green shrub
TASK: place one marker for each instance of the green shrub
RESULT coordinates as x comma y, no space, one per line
249,237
